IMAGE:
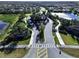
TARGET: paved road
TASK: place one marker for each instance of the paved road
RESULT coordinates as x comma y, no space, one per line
58,35
33,36
41,53
48,33
32,51
53,52
34,32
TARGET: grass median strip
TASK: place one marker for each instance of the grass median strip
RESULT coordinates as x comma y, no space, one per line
55,38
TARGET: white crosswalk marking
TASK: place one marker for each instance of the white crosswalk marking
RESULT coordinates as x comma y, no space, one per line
42,46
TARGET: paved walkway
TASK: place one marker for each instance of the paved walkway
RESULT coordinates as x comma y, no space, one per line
44,45
48,33
58,35
69,46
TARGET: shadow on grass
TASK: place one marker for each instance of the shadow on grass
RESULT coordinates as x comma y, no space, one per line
11,47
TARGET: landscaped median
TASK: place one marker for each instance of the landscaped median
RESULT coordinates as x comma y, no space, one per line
55,39
42,33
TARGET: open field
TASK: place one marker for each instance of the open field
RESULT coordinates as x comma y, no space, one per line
18,53
11,19
68,39
71,51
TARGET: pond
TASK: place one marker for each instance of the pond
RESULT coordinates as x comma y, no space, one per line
69,16
3,25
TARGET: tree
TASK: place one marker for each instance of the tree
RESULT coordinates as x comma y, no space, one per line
22,15
71,10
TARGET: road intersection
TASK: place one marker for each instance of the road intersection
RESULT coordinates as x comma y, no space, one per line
51,52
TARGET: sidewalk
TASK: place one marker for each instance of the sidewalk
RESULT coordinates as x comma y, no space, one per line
58,35
69,46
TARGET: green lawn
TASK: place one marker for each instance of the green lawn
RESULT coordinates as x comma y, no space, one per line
28,14
22,25
11,19
69,40
55,39
24,42
18,53
71,51
42,33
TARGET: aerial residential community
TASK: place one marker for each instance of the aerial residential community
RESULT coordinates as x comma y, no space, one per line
39,29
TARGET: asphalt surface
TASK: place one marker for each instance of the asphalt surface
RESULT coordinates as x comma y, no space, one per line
54,51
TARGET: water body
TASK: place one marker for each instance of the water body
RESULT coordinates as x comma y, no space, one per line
69,16
3,26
